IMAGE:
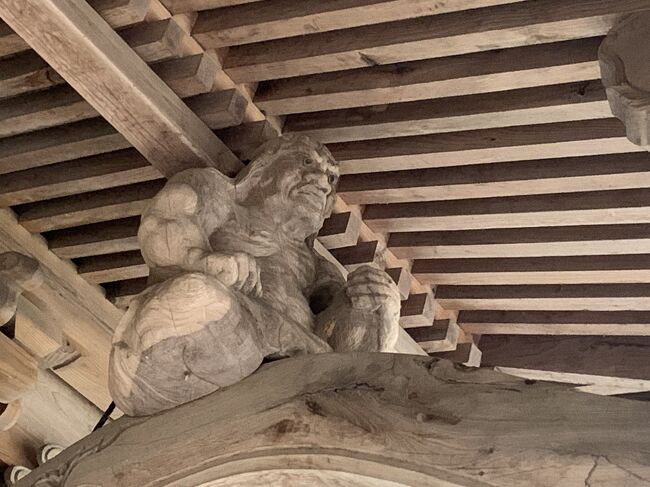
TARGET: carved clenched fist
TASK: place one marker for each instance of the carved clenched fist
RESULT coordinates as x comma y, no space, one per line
371,289
238,270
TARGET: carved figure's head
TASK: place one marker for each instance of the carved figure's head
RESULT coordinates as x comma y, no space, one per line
294,178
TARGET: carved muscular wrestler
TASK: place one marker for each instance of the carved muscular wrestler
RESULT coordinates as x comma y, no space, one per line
235,279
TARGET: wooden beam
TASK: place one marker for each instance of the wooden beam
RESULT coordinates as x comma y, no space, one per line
428,37
117,13
402,277
112,267
621,323
359,254
566,297
87,208
588,208
120,293
185,6
273,19
523,242
624,357
437,336
580,269
18,370
57,144
67,301
467,354
157,123
566,175
544,141
467,74
417,311
59,105
340,230
548,104
95,239
77,176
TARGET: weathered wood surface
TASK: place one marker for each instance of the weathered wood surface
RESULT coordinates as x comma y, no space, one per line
626,75
370,419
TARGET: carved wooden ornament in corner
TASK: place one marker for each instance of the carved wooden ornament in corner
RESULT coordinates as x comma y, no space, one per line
18,370
625,68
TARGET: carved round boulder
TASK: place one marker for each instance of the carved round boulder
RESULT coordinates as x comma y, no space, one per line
180,340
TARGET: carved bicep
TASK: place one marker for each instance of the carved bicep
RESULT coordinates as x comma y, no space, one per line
170,227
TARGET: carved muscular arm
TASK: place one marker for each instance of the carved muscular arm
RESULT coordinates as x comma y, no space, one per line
361,314
174,237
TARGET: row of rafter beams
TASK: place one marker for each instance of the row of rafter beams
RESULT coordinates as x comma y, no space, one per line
611,323
576,269
467,74
523,242
274,19
188,6
497,27
518,178
588,208
544,297
502,144
556,103
117,13
157,122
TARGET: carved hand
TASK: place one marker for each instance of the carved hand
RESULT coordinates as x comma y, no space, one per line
238,270
371,289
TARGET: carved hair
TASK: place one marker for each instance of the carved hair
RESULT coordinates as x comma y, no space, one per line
252,175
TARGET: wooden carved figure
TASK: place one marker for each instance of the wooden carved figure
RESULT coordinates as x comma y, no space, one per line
235,279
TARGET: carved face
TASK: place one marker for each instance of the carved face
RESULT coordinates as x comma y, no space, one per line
306,182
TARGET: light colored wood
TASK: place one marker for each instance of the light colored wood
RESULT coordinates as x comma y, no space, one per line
9,414
437,336
580,269
183,6
157,123
496,27
350,420
626,76
70,303
117,13
87,208
467,74
95,239
417,310
340,230
624,357
402,278
359,254
273,19
568,297
466,354
566,175
523,242
18,370
589,208
77,176
24,73
548,104
544,141
615,323
112,267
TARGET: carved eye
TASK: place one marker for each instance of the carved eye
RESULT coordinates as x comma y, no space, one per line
307,162
333,179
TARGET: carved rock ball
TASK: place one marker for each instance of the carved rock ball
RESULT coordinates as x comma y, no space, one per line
180,340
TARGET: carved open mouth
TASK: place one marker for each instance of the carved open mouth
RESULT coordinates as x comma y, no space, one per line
312,195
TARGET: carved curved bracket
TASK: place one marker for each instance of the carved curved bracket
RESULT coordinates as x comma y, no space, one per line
625,69
17,274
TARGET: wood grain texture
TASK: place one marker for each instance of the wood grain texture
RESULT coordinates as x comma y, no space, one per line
615,323
434,36
549,104
624,357
565,175
565,297
184,6
253,22
157,123
355,415
530,142
588,208
467,74
523,242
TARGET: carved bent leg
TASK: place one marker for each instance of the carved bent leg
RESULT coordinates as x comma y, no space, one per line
180,340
